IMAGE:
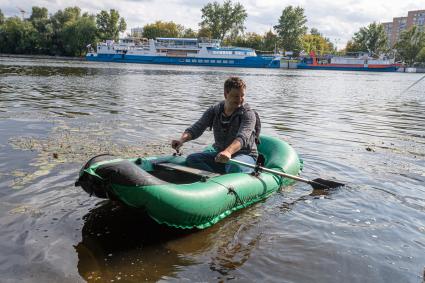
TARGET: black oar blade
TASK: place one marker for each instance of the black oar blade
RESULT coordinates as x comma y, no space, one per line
321,184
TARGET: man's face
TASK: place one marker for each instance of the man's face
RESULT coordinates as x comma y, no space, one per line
235,97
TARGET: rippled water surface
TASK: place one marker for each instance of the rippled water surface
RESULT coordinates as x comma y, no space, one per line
359,128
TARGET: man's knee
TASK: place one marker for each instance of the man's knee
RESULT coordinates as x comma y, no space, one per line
196,158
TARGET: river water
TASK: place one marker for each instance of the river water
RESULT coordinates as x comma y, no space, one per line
358,128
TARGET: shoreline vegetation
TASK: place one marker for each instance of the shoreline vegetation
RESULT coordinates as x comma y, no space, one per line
70,32
39,56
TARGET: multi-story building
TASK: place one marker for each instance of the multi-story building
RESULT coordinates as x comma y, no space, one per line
416,18
393,29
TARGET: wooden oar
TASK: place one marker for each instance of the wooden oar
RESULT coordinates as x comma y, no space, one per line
317,184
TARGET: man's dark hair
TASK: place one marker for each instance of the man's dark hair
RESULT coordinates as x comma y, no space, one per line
234,82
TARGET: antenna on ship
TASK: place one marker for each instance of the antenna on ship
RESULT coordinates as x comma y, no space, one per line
22,12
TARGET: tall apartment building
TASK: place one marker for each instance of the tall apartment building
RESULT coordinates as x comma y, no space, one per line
416,18
393,29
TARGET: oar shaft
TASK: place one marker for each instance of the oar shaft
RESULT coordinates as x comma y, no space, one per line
270,171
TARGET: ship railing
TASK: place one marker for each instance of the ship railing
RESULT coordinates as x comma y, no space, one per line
176,47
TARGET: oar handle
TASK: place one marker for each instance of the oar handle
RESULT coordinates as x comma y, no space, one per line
269,171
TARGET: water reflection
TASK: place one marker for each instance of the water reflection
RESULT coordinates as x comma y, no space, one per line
123,243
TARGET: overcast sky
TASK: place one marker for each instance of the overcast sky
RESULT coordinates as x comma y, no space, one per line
337,20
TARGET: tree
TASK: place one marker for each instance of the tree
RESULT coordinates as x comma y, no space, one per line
316,43
1,17
291,28
223,20
250,39
110,24
352,47
204,32
17,36
315,31
269,41
79,34
189,33
42,24
162,29
371,39
421,56
38,13
59,21
410,45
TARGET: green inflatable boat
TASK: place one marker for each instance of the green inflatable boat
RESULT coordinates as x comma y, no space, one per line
183,197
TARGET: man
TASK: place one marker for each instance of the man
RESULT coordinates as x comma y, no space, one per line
233,124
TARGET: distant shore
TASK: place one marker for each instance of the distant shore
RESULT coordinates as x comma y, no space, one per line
35,56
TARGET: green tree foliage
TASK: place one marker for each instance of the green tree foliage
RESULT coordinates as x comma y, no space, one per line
189,33
411,46
67,32
291,28
317,43
249,39
110,24
315,31
17,36
421,56
163,29
270,41
42,24
204,32
59,21
223,20
266,42
371,39
77,35
1,17
352,47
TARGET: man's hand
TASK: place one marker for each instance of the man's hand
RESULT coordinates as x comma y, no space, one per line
176,144
223,157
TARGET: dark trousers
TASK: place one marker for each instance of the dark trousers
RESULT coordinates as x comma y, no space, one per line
205,161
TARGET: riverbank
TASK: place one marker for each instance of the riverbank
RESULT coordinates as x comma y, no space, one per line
43,57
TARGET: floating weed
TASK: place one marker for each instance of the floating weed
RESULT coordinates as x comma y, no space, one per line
74,145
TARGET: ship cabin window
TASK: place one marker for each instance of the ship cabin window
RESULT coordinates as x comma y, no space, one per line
194,60
206,61
231,61
219,61
224,61
200,61
187,60
212,61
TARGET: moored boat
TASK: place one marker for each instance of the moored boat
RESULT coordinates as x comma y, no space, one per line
182,197
357,63
180,51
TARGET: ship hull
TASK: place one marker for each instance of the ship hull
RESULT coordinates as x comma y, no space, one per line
248,62
369,68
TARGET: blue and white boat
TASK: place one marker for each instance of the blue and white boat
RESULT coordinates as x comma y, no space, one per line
180,51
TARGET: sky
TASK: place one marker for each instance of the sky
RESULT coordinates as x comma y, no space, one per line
336,20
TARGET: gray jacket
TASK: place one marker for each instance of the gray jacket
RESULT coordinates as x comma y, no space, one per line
240,126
